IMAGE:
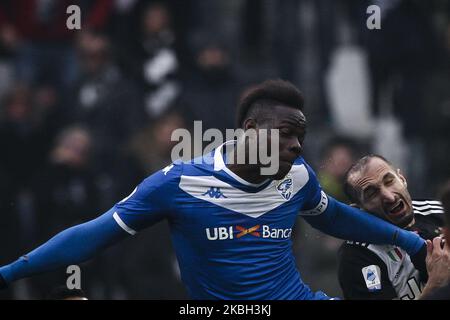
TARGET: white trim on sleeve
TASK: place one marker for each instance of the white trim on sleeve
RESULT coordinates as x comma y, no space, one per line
321,206
123,225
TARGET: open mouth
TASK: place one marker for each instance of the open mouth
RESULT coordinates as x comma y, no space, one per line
398,208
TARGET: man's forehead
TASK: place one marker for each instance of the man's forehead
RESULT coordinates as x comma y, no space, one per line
373,171
290,115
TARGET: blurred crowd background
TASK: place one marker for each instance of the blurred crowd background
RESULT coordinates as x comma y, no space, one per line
86,114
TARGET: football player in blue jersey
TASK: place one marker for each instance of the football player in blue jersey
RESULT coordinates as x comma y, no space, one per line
230,225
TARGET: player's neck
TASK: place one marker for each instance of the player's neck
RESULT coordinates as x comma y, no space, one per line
413,221
249,172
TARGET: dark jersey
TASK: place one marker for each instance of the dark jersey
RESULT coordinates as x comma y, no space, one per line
440,294
368,271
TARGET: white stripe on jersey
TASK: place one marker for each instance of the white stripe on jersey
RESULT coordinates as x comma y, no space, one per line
427,207
123,225
424,202
250,204
425,213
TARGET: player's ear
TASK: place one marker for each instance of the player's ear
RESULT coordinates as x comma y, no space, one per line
249,124
402,177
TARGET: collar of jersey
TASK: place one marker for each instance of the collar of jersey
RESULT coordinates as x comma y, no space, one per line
230,176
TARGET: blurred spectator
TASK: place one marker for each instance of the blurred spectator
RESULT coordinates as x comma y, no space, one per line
287,40
64,194
153,146
22,133
126,27
64,188
110,106
401,56
436,116
211,90
394,52
37,31
106,101
155,60
337,157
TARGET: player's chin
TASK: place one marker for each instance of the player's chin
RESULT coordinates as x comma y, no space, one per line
283,170
403,221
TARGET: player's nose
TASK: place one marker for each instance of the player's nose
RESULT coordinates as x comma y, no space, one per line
295,147
388,195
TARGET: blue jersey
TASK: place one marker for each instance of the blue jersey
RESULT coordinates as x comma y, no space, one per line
232,238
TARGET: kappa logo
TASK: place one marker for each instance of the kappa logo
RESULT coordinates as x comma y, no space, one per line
214,192
285,187
167,169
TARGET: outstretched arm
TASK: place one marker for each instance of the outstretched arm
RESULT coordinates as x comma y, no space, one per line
71,246
348,223
345,222
146,205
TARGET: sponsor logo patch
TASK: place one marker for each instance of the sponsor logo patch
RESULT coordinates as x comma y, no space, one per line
372,277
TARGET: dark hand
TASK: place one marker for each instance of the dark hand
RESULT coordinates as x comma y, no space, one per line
418,261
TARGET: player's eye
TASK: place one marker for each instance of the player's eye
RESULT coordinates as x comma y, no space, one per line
369,194
285,131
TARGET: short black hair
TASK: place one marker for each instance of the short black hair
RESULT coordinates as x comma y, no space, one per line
266,95
350,189
62,292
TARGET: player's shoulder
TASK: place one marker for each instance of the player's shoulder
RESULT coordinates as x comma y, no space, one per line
199,166
303,175
427,207
163,176
348,247
202,165
355,255
300,162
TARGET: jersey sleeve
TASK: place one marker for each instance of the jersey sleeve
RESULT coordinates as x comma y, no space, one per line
151,201
363,275
334,218
316,200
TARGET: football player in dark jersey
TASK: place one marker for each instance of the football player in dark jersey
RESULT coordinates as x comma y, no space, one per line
368,271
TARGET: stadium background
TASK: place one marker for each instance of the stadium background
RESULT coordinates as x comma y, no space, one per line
86,114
